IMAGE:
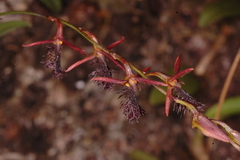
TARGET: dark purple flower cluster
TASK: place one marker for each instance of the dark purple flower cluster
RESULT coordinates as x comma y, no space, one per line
53,61
102,71
183,95
130,106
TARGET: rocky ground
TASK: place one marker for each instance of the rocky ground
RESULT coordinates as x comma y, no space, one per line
73,118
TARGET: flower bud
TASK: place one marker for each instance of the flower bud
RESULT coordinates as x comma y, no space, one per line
208,128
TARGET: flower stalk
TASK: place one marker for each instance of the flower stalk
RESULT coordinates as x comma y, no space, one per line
134,76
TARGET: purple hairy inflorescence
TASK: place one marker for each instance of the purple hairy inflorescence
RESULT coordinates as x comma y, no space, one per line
183,95
130,106
102,71
53,61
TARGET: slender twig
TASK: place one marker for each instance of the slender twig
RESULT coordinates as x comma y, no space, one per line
227,84
225,89
204,63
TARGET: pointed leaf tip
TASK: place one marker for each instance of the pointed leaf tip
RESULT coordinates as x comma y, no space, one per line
177,65
115,43
180,74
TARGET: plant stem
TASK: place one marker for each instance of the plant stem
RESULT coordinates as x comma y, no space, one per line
225,89
226,85
23,12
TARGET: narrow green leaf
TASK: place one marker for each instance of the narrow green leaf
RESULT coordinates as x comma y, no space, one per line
156,97
231,107
140,155
54,5
191,84
7,27
22,12
219,10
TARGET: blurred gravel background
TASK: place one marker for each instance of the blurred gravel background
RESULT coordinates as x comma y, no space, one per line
42,118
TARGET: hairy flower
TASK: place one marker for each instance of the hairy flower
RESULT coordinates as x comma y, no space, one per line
182,95
129,105
54,50
102,71
53,61
171,82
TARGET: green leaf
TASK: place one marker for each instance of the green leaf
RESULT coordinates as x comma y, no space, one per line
7,27
54,5
156,97
191,85
231,107
219,10
22,12
140,155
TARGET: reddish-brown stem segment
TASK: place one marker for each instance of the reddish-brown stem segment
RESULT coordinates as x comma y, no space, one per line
112,59
168,100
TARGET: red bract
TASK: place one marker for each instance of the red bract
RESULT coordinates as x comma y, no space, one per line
115,43
208,128
174,82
